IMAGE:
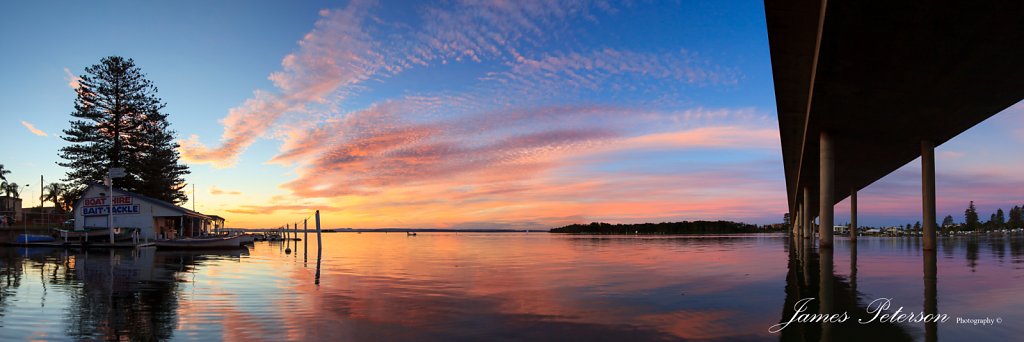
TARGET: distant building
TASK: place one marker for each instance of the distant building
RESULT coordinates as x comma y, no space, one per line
11,208
155,218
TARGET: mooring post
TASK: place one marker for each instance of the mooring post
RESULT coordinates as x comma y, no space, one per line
305,241
319,247
287,247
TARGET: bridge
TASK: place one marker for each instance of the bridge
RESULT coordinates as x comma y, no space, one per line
865,87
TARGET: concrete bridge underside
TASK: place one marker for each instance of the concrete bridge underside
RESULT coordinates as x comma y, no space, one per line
864,87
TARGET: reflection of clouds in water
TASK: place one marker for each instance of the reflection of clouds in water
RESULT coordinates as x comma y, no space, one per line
476,286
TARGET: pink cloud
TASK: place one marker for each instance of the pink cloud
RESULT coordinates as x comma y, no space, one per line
335,54
214,190
335,60
593,70
72,79
242,126
33,129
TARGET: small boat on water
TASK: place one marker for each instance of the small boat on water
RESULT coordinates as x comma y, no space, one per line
200,243
32,238
247,238
96,234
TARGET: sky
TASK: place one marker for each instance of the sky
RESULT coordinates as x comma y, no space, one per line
459,114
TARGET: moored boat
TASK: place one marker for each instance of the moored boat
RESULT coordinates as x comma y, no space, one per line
199,243
32,238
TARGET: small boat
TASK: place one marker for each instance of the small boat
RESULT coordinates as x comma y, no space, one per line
96,234
248,238
199,243
32,238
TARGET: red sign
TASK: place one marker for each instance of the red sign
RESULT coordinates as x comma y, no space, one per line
102,201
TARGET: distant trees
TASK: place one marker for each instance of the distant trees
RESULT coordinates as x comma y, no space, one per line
684,227
1016,217
785,218
55,192
11,190
971,218
3,173
118,123
998,219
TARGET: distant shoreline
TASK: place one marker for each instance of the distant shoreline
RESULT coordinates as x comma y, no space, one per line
399,230
667,228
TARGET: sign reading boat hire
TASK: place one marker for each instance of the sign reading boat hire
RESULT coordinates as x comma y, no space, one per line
96,206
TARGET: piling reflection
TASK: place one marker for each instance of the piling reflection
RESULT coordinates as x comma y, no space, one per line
811,276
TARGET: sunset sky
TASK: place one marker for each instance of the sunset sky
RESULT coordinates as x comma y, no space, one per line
459,114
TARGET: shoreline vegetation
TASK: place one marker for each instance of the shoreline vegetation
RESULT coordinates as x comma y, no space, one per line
684,227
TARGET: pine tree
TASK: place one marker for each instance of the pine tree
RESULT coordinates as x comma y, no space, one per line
971,217
118,123
1000,219
161,176
1016,220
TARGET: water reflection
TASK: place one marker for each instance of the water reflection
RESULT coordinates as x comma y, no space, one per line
811,275
509,286
121,294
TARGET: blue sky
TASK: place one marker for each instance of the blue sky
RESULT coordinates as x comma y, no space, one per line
507,114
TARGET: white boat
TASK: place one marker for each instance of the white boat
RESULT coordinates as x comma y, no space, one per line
198,243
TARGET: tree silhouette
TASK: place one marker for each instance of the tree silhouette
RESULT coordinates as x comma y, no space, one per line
118,123
971,217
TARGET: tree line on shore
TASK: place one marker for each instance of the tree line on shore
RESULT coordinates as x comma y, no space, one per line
999,220
118,122
684,227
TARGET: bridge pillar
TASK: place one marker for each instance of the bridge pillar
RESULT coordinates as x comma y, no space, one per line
807,214
795,221
853,215
928,193
826,194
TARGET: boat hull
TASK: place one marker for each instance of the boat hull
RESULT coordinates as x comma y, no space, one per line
205,243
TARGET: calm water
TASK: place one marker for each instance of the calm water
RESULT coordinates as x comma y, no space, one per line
535,286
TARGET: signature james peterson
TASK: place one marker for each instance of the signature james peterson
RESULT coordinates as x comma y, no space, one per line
879,308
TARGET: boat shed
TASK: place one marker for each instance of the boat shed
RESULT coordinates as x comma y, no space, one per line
155,218
217,223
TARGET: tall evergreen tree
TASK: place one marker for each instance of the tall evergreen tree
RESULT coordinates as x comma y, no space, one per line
971,217
999,219
161,176
1015,220
117,123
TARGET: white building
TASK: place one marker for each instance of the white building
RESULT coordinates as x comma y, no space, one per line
155,218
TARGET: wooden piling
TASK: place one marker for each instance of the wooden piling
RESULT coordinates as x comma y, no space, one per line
319,248
305,241
288,247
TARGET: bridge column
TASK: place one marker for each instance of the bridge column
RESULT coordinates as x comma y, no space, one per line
794,220
807,213
928,193
826,176
853,215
